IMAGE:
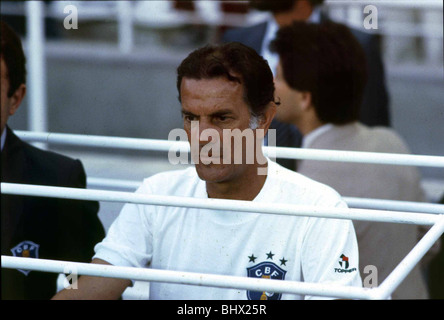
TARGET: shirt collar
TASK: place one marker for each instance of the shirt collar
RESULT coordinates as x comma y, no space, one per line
308,139
315,16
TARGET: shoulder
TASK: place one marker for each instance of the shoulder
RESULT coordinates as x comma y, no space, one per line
175,182
298,188
51,160
388,140
48,167
360,137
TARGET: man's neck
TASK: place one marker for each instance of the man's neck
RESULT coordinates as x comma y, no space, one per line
308,123
309,138
246,187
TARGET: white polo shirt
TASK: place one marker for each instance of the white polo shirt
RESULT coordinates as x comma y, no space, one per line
289,248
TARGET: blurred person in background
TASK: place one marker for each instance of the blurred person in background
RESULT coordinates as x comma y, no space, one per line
375,103
37,227
17,19
320,80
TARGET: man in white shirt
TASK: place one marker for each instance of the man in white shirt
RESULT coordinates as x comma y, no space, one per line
319,81
227,87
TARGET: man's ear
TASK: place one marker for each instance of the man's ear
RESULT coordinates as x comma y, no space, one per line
16,99
305,99
267,116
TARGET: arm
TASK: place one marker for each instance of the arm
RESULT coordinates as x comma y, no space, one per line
330,253
95,288
127,243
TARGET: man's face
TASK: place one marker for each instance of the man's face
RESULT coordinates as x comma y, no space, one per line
218,105
9,105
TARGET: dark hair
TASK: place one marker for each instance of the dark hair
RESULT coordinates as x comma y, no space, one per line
236,62
327,61
14,57
315,3
277,6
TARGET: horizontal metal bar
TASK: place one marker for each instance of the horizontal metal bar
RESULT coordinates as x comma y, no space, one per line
188,278
103,141
95,182
395,205
353,202
278,152
222,204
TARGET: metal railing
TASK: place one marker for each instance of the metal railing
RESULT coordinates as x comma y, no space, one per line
381,292
272,152
415,213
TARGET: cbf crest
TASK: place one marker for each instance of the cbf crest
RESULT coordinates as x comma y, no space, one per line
266,270
26,249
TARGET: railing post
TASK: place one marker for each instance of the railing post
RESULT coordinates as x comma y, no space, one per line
125,26
36,84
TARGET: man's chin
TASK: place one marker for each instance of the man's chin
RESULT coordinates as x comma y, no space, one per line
211,172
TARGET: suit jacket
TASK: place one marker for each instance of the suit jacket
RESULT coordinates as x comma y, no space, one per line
382,245
41,227
375,105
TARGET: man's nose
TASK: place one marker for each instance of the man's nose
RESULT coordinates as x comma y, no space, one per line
205,132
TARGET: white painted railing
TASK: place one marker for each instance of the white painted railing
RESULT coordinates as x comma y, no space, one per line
272,152
223,205
380,210
381,292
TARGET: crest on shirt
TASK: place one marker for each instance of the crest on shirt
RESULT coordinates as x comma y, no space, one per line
26,249
265,270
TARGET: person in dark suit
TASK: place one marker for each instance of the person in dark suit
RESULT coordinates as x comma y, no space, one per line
375,106
37,227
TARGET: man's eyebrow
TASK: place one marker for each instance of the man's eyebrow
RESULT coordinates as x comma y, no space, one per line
187,113
222,112
216,113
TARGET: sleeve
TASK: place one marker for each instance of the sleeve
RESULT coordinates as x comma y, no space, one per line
129,241
330,253
82,228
